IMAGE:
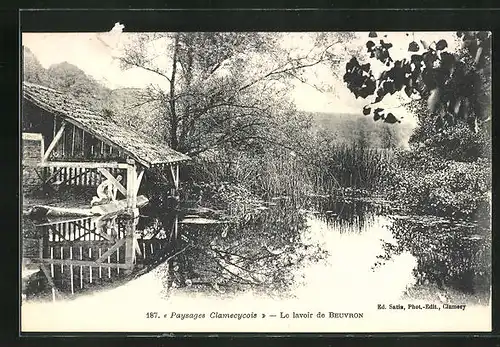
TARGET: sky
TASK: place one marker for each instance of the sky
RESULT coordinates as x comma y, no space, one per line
95,54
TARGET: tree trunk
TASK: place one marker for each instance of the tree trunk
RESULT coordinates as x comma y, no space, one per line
174,120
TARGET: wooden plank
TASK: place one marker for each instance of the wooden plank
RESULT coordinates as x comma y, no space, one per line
73,262
118,260
40,247
61,221
100,268
55,172
32,136
54,142
131,242
52,265
93,231
62,257
81,268
47,274
90,243
71,270
138,181
54,132
90,267
65,174
110,177
63,144
66,211
175,175
73,135
110,251
87,164
83,144
56,233
131,185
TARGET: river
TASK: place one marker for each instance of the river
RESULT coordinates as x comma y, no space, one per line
345,253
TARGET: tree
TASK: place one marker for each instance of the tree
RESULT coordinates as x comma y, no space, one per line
69,78
223,91
33,71
388,137
453,88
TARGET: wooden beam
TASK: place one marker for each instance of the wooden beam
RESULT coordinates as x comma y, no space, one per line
91,231
138,181
54,230
110,251
61,221
73,140
175,175
47,274
72,177
32,136
54,142
49,279
66,211
131,185
86,164
54,174
78,263
130,238
82,243
110,177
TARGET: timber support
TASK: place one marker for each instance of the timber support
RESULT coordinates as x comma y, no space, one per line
132,214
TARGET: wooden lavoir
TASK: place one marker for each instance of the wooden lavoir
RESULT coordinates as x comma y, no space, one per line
67,144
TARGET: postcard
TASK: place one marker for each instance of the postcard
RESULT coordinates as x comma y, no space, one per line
284,182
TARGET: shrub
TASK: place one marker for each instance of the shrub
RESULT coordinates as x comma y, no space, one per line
425,184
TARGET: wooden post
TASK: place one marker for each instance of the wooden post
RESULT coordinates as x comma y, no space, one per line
52,265
132,212
131,186
54,142
100,268
109,268
90,267
62,266
81,268
118,259
174,171
71,271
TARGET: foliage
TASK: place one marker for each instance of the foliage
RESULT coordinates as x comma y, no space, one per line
33,71
354,164
451,93
449,83
223,91
424,184
449,254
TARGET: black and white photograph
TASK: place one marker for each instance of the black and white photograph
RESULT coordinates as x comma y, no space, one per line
198,182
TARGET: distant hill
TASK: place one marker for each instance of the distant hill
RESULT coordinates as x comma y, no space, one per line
123,105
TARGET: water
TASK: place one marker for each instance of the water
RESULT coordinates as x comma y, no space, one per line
328,255
344,249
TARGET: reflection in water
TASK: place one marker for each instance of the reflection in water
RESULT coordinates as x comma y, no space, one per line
69,256
450,254
259,253
336,250
346,215
284,251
